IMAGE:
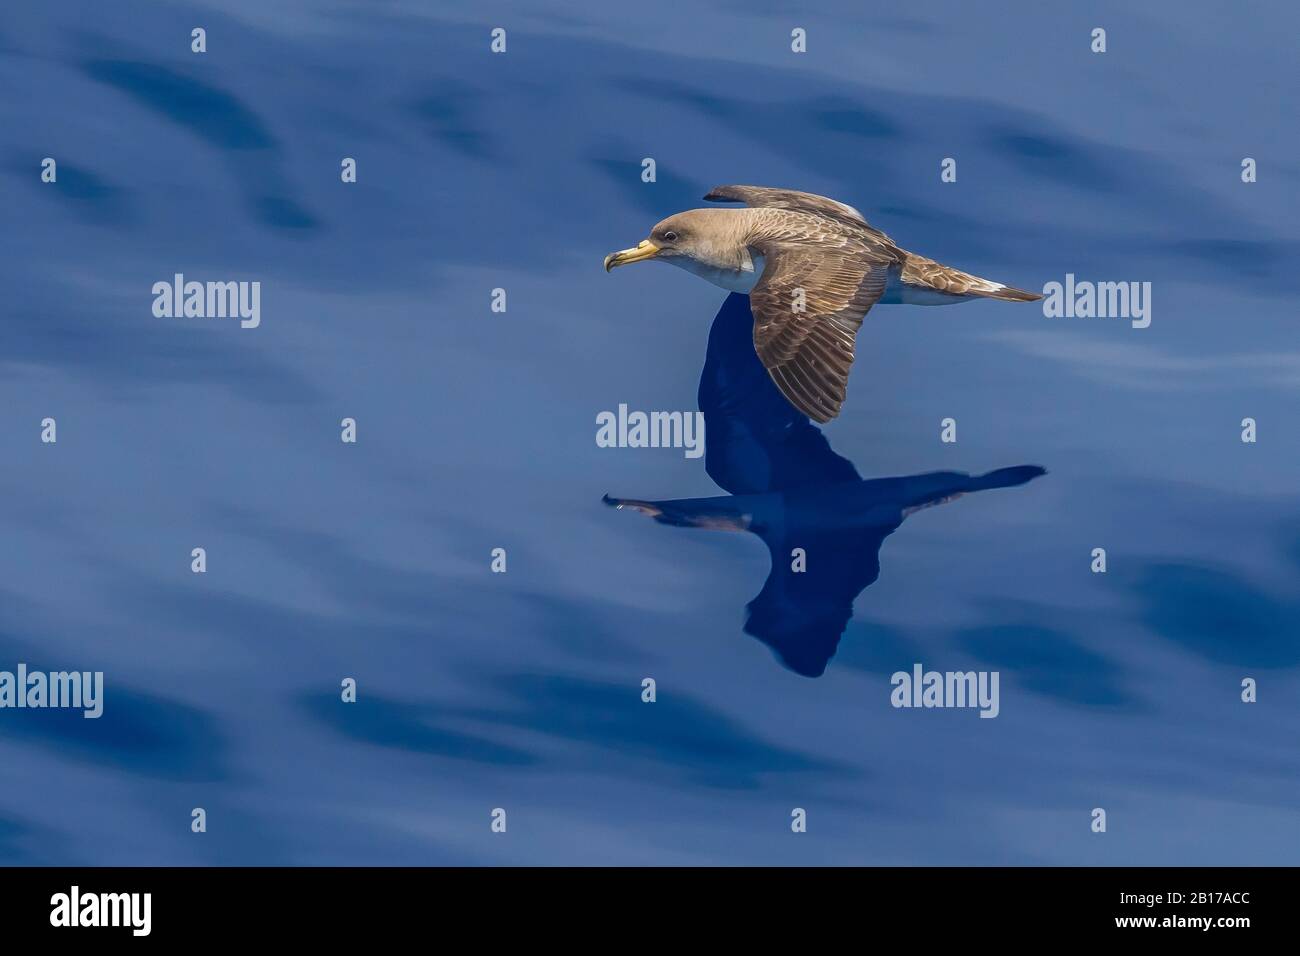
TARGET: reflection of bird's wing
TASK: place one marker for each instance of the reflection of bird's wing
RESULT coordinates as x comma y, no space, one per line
884,499
801,614
808,306
838,529
756,440
724,513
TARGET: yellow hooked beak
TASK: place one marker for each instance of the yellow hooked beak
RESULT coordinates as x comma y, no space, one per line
645,249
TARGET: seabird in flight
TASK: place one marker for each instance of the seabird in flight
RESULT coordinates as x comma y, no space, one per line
812,268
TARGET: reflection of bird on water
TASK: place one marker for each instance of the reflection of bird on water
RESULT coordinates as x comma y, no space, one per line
789,488
812,267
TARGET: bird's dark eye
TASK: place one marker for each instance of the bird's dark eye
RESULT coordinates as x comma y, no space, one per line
670,236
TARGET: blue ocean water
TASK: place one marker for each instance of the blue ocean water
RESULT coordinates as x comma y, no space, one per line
476,431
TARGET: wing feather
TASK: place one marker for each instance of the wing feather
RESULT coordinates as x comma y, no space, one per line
825,266
808,307
772,198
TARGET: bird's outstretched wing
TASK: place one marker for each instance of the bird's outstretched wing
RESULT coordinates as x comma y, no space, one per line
808,307
758,441
772,198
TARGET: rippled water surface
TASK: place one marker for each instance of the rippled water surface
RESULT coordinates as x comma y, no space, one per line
476,431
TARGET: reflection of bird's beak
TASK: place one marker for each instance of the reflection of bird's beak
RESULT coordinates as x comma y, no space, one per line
645,249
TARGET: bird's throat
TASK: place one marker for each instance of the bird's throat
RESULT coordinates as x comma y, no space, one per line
731,279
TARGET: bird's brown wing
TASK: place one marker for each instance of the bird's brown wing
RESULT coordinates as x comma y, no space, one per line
808,307
771,198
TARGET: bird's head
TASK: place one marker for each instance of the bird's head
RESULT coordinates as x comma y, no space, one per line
697,234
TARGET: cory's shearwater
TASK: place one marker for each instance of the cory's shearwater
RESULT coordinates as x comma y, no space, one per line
812,267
